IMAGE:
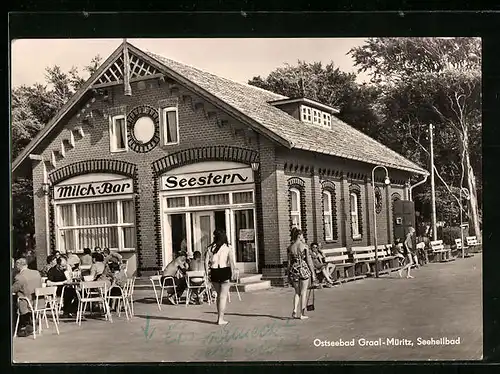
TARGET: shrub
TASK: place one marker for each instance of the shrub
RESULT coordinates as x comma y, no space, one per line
449,234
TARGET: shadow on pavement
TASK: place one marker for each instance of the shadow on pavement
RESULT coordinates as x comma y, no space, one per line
175,319
253,315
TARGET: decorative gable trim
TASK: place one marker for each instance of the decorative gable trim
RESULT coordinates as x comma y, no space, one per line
139,69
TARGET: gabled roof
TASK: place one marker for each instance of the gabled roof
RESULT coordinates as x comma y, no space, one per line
252,105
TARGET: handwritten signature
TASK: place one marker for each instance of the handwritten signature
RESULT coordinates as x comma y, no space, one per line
218,344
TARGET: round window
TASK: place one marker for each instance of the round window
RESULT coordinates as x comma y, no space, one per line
144,129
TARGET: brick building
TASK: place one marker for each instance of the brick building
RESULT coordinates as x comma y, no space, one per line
154,167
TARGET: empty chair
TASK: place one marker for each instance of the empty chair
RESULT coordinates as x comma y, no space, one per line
46,301
235,283
90,293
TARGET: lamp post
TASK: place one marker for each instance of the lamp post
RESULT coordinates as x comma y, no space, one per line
387,181
465,192
46,193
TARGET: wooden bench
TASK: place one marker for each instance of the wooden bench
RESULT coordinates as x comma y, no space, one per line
339,266
458,245
362,257
473,243
387,262
438,251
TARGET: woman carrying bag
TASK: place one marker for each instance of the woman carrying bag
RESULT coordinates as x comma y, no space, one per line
300,272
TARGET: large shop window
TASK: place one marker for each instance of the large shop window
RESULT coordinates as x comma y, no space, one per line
105,224
295,211
170,126
355,221
118,134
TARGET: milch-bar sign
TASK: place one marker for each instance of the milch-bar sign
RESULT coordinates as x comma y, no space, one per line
93,189
207,179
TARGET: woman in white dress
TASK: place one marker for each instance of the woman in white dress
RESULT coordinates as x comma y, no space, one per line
219,258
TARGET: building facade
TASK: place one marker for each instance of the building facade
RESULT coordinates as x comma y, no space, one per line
156,168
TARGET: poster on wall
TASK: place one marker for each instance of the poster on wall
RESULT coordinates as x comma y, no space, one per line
246,235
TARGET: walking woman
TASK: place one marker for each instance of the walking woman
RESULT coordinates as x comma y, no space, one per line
409,251
219,258
300,272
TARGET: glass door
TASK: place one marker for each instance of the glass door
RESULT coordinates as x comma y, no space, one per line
203,228
245,240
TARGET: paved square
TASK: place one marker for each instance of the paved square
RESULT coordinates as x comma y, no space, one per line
444,300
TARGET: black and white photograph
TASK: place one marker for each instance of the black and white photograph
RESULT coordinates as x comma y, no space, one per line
246,199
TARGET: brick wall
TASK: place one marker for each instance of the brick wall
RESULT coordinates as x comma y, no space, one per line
277,166
195,130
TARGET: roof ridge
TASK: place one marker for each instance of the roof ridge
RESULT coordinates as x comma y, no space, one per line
279,96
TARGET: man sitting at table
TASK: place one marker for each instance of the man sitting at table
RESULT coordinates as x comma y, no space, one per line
51,262
176,269
26,281
59,276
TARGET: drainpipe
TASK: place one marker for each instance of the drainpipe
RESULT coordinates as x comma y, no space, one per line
417,184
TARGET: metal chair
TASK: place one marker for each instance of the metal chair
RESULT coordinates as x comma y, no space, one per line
92,292
118,299
162,286
190,275
235,283
31,309
46,301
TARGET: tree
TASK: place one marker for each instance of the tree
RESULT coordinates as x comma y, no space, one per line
32,108
438,81
330,86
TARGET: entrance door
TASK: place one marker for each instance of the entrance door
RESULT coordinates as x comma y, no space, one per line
203,228
245,240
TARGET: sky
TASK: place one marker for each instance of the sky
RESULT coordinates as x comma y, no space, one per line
236,59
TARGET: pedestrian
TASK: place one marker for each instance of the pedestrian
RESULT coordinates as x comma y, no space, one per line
409,251
300,272
219,258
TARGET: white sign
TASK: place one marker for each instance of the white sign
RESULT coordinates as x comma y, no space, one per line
93,189
246,234
206,179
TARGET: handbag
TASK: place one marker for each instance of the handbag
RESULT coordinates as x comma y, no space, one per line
310,306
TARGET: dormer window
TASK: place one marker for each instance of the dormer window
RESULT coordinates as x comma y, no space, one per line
315,116
307,111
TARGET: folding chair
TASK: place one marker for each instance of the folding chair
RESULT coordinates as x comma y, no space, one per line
235,284
92,292
33,319
196,286
157,278
46,301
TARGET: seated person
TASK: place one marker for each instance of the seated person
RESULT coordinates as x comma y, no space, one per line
111,256
119,278
73,260
99,271
56,254
86,261
87,257
51,262
58,276
318,260
25,283
176,269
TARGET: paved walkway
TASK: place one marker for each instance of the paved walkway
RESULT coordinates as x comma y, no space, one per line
443,301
